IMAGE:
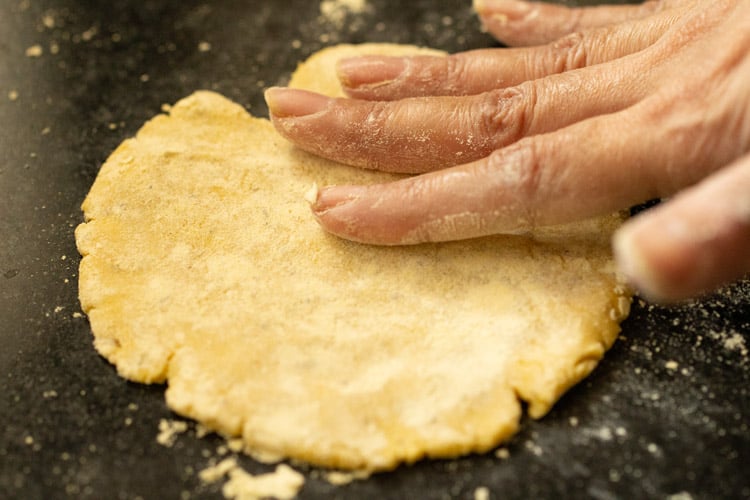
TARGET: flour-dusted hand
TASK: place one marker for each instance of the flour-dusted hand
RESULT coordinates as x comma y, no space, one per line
609,106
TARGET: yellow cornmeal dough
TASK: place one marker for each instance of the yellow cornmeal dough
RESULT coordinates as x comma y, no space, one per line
204,268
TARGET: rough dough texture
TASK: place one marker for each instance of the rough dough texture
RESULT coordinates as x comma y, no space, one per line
204,268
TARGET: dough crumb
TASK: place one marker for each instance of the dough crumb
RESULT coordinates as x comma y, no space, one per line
201,430
340,478
12,95
312,194
34,51
168,431
683,495
482,493
534,448
265,457
335,11
284,483
614,475
204,47
671,365
214,473
48,20
502,453
89,34
235,444
603,433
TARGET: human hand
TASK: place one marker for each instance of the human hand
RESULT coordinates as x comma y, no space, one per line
609,107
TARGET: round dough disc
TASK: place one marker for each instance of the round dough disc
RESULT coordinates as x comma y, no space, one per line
204,268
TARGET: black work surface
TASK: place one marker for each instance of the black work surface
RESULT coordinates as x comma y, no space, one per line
666,412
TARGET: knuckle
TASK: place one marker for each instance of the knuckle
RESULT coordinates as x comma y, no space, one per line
455,69
531,168
520,171
567,53
507,114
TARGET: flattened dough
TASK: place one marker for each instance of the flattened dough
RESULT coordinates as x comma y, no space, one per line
204,268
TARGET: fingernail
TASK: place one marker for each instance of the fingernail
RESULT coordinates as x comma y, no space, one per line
630,261
638,268
370,70
335,197
311,195
506,8
286,102
348,212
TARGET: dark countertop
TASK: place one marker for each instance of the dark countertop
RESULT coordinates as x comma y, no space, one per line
666,412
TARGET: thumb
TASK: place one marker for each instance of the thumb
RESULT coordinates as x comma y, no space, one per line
695,242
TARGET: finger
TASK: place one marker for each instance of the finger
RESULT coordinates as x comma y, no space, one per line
522,23
590,168
474,72
421,134
694,243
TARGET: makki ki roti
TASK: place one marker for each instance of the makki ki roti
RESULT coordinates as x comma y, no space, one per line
204,268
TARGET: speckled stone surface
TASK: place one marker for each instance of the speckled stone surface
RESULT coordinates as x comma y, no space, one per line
666,413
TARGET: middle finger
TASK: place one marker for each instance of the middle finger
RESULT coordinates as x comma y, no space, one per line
389,78
421,134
